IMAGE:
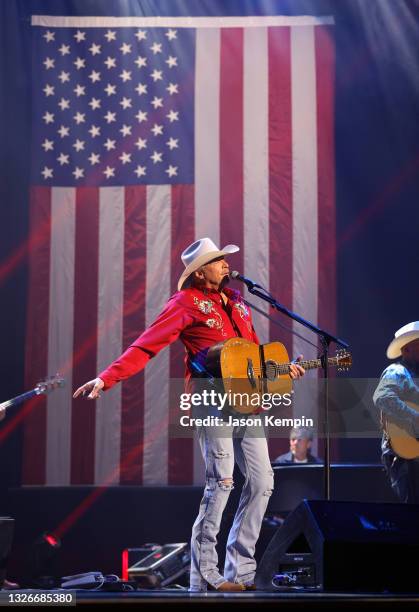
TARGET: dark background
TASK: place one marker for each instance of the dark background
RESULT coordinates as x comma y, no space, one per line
377,172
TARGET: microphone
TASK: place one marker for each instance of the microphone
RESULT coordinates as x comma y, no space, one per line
247,281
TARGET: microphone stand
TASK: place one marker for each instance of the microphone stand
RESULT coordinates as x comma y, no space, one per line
325,339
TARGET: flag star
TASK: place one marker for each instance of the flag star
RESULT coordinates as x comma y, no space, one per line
126,130
64,76
78,172
157,129
110,89
49,63
141,116
172,143
110,117
172,88
141,61
110,62
171,61
79,145
64,49
49,36
47,172
141,143
63,104
94,76
140,171
109,144
141,89
79,36
94,131
94,103
95,49
48,117
48,145
110,35
156,75
157,102
125,48
109,172
79,117
125,158
62,159
173,116
125,75
49,90
156,48
64,131
80,63
171,34
141,35
156,157
171,171
94,158
125,103
79,90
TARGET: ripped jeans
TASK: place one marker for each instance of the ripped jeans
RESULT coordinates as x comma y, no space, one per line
249,448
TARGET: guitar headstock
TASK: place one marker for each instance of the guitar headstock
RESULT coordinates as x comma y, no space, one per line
343,360
49,384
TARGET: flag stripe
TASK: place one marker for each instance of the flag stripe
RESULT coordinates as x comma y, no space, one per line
34,455
110,309
60,334
325,70
231,140
207,139
305,214
207,160
156,392
280,189
256,166
304,144
182,232
132,400
85,332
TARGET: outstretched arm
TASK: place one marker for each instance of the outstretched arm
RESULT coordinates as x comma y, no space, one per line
165,330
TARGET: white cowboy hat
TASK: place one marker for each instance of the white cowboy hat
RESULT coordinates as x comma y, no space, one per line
198,254
403,336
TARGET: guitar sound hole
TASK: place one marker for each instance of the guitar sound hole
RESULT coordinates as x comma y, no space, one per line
270,370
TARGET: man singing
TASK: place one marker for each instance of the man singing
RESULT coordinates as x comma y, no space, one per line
201,314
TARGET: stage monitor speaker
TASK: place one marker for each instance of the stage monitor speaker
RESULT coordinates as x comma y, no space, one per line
344,546
6,538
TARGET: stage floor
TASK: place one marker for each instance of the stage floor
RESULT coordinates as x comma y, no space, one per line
289,600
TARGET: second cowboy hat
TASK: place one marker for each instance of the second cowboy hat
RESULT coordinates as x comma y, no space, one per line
198,254
403,336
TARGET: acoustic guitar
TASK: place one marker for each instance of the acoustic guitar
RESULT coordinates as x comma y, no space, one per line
248,368
42,388
402,443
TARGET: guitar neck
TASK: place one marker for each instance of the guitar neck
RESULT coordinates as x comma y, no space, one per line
18,399
310,364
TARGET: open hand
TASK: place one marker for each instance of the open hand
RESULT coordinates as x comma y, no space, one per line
296,371
92,388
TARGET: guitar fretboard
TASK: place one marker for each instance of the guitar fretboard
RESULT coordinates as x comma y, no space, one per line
18,399
310,364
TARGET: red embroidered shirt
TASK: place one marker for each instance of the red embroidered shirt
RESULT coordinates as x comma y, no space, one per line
199,318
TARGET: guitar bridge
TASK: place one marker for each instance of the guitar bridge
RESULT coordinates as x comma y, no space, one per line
251,373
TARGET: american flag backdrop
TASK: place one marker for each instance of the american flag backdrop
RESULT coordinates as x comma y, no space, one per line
147,134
